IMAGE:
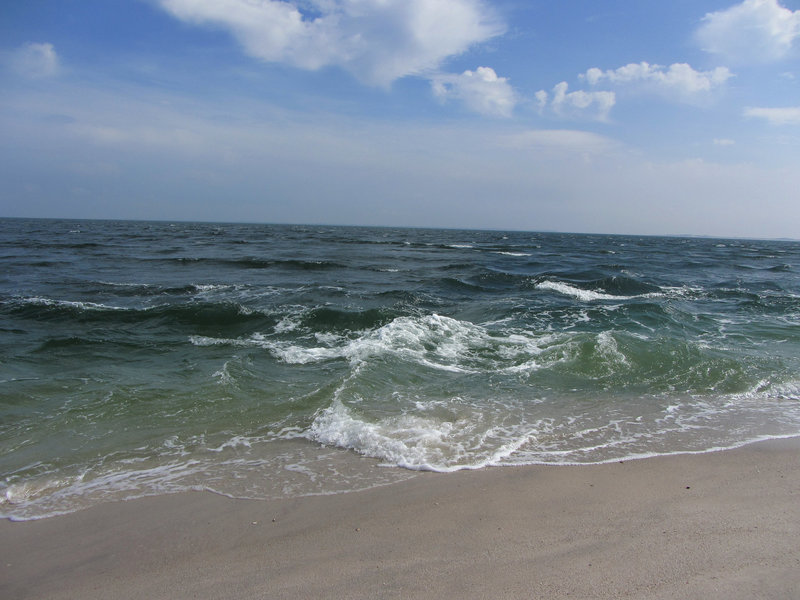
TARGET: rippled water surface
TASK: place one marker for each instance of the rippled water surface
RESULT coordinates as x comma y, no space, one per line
268,361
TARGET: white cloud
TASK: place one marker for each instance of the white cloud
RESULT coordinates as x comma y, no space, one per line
578,104
541,100
481,91
777,116
377,41
750,32
679,81
35,60
724,142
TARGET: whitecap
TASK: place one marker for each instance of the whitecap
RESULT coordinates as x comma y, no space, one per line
432,341
607,346
71,304
588,295
576,292
420,443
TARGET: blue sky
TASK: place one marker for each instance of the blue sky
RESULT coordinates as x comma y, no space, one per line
619,116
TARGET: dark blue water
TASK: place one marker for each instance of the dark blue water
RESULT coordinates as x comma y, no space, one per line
264,361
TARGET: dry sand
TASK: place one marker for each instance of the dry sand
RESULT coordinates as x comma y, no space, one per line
721,525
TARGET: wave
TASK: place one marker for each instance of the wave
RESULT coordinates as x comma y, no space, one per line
252,263
431,342
502,281
610,288
258,361
134,289
51,306
576,292
443,344
780,268
72,343
326,319
659,351
417,442
471,437
199,313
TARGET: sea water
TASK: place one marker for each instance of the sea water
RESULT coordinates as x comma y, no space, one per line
266,361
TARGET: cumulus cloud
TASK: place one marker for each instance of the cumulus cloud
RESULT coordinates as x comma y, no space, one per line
481,91
577,104
750,32
378,41
776,116
679,81
35,60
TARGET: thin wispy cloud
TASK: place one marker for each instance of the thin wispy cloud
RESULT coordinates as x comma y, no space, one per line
789,115
572,141
35,60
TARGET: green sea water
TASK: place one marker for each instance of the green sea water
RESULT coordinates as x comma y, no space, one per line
269,361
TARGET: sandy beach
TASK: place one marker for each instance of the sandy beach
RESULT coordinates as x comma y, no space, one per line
718,525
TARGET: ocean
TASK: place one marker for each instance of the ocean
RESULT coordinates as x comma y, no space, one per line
273,361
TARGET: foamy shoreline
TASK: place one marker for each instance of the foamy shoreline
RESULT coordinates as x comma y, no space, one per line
715,525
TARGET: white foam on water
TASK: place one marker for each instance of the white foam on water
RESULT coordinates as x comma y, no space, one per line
204,288
411,442
237,441
224,376
21,493
645,455
72,304
329,339
438,435
607,347
444,434
302,469
256,340
416,442
242,467
767,390
289,322
125,284
432,341
789,390
576,292
589,295
299,355
202,340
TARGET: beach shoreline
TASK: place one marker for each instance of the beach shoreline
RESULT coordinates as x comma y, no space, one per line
717,525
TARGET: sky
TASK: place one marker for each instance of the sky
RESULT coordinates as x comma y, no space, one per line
615,116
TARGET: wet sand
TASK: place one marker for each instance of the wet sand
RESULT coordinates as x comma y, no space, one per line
719,525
